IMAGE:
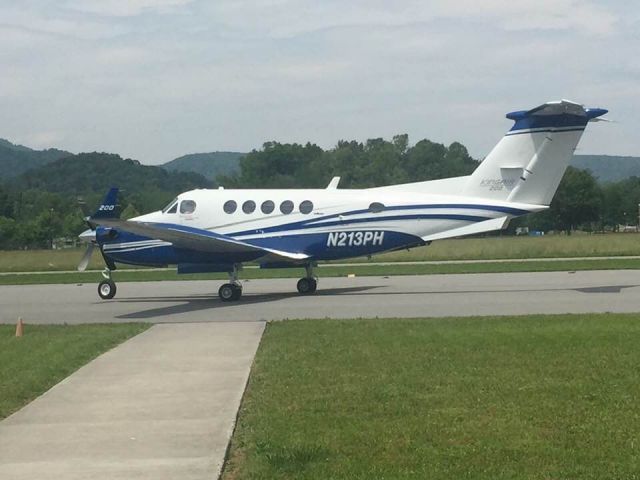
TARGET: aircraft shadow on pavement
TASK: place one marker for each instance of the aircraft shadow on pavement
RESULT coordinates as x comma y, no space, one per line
193,303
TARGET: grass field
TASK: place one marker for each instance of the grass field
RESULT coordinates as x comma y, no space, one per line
550,246
46,354
623,244
538,397
142,275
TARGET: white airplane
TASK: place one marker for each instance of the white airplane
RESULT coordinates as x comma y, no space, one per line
217,230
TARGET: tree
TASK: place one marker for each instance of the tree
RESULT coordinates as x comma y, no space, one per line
578,201
129,212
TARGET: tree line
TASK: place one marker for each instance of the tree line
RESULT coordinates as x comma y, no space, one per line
44,204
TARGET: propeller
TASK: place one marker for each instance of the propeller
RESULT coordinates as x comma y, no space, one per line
86,258
108,208
89,237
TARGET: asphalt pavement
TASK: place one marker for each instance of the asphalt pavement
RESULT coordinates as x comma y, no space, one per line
367,297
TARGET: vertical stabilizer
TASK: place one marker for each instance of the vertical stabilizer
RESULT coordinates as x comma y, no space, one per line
526,166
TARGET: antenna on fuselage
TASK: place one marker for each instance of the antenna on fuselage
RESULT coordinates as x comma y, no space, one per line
333,184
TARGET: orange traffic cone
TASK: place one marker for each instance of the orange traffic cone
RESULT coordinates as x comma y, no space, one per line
19,327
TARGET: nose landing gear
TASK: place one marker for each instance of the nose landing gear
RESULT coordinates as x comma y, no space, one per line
107,287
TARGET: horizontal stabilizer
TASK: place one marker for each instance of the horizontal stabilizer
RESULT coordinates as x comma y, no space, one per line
527,164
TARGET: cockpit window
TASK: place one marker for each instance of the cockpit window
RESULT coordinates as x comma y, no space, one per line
187,206
172,203
173,209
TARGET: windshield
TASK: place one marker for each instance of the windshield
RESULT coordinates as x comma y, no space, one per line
169,205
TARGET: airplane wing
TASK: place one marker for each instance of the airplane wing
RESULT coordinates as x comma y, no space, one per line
196,239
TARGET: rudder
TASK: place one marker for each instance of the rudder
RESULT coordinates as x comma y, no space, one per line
526,166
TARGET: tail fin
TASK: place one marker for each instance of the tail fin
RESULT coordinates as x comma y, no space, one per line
526,166
109,206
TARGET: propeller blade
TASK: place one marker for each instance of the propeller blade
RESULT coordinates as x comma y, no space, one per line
86,258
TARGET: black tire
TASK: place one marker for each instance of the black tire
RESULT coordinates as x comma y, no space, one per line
307,286
107,289
237,293
227,292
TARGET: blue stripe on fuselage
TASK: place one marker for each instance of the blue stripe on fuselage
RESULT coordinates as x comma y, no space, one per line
316,245
372,220
311,223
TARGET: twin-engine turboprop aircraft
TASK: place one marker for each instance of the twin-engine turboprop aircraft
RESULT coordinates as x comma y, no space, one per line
218,230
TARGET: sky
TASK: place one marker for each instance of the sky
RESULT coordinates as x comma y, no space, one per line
156,79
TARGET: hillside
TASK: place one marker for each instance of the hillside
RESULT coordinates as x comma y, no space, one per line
17,159
90,175
209,165
608,168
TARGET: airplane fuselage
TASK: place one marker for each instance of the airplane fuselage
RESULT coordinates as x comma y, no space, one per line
323,224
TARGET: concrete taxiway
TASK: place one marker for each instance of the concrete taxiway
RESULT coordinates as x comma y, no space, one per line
398,296
161,405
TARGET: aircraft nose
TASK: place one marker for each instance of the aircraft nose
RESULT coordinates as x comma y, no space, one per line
88,236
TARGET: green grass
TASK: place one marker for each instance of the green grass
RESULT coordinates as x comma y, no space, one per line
144,275
578,245
46,354
549,246
538,397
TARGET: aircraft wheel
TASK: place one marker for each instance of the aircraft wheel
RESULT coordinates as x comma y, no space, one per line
107,289
307,285
229,292
237,292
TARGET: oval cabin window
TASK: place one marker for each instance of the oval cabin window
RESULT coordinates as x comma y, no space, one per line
306,207
249,206
230,206
286,207
268,206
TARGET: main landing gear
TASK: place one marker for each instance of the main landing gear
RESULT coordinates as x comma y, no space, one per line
107,287
232,291
308,284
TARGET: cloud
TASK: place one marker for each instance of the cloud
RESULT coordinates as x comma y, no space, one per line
125,8
152,80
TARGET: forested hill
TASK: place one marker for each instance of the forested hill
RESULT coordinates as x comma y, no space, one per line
209,165
376,162
43,203
90,175
96,172
608,168
17,159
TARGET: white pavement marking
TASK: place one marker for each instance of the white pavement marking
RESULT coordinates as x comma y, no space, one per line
368,297
367,263
160,406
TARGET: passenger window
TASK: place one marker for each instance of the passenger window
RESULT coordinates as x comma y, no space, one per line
249,206
267,206
376,207
173,209
306,207
286,207
187,206
230,206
